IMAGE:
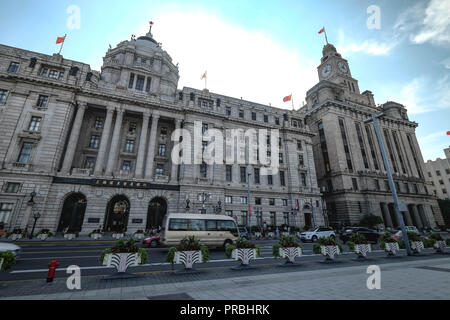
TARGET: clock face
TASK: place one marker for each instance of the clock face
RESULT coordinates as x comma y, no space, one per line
342,66
326,71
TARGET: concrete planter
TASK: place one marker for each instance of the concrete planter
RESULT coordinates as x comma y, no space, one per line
362,249
258,235
417,246
96,236
188,258
290,253
121,261
42,236
138,236
330,252
118,235
70,236
440,246
15,237
244,255
271,235
392,248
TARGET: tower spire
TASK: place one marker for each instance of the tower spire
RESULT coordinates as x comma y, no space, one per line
149,34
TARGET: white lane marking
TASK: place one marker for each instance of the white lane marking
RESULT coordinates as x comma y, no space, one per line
60,258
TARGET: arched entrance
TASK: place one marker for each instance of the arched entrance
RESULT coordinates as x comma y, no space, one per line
157,209
117,212
72,214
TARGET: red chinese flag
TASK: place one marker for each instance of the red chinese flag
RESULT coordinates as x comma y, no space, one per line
322,30
288,98
60,39
448,133
250,210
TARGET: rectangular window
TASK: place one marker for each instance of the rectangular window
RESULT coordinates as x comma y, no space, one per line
204,128
429,174
229,213
5,211
126,166
241,114
266,118
447,171
282,179
13,67
286,218
129,146
355,184
243,200
271,201
159,169
399,151
3,94
132,128
131,82
299,145
229,173
258,201
269,179
253,116
228,111
89,163
228,199
42,101
377,184
441,181
273,218
25,152
53,74
243,174
35,124
163,132
61,75
197,225
178,225
98,123
285,202
147,87
346,146
44,72
140,83
94,142
416,189
372,148
280,156
391,152
438,173
244,218
362,145
256,172
301,161
203,170
303,179
323,146
162,150
12,187
205,103
277,121
406,187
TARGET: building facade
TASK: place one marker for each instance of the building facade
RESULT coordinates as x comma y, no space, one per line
348,160
90,150
438,172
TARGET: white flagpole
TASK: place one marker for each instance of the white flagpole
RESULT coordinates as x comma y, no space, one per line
62,44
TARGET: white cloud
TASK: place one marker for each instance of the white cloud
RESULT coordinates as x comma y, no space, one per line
426,22
446,63
240,63
373,47
432,145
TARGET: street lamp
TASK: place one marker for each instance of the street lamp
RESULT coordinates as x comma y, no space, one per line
31,201
204,197
249,207
36,216
187,204
218,208
374,119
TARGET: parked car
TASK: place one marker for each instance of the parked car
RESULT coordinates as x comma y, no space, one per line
152,241
370,234
398,235
16,250
314,234
243,233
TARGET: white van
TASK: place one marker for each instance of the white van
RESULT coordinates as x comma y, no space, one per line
211,230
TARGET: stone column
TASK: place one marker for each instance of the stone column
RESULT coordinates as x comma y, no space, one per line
408,218
115,143
174,170
417,217
73,140
26,217
151,147
104,142
142,143
387,215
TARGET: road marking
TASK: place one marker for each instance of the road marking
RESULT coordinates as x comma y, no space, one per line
60,258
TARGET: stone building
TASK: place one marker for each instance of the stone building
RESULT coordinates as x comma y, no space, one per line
349,166
438,172
96,147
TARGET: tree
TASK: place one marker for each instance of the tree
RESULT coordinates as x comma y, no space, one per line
370,221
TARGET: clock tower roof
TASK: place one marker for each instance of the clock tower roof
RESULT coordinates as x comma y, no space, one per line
327,49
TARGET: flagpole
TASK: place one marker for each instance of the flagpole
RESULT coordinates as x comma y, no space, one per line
292,99
325,31
62,44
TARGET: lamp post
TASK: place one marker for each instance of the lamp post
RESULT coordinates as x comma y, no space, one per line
26,218
400,221
36,216
204,196
218,208
187,205
249,207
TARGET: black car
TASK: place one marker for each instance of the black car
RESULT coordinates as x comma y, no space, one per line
370,234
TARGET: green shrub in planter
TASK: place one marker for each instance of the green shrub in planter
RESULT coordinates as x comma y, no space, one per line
45,231
436,236
350,245
325,242
9,259
429,243
284,242
129,246
190,243
242,243
386,237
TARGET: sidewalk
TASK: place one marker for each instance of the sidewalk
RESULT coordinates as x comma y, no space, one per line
417,279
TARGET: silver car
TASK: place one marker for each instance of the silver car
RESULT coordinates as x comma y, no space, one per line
16,250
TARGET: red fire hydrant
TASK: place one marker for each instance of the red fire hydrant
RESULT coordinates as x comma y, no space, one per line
51,270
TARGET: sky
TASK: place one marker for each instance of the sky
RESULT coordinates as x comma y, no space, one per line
264,50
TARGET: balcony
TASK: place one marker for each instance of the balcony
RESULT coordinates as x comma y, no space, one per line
81,172
162,178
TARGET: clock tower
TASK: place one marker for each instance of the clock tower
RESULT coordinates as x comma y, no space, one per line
335,69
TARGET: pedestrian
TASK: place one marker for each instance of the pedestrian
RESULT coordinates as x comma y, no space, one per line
277,233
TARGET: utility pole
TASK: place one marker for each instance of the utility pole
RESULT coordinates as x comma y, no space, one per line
374,119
